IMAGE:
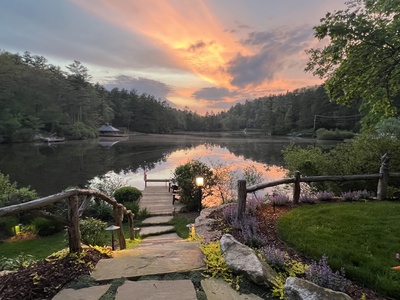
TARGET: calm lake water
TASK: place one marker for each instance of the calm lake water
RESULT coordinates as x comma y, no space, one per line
49,169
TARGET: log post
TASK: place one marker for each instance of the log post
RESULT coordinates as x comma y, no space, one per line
130,222
119,216
242,195
74,234
296,187
384,180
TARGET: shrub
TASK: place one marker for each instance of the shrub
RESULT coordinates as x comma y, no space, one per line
102,211
13,264
321,274
276,258
324,196
279,199
7,224
348,196
245,230
133,207
45,227
307,198
93,232
185,177
127,194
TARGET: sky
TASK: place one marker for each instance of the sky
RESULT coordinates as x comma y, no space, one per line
201,55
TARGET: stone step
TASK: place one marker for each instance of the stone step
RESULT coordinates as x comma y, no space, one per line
156,289
155,229
157,220
151,259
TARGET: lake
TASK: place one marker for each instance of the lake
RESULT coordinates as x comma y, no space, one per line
49,169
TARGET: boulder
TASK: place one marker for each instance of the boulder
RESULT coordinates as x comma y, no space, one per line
204,226
243,260
300,289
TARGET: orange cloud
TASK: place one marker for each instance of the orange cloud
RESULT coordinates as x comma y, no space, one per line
187,30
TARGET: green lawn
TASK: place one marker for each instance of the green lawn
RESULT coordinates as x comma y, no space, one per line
361,237
39,247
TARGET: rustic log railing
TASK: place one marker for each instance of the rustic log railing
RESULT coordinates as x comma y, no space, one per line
72,198
383,180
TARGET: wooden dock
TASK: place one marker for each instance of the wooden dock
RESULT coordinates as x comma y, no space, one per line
158,201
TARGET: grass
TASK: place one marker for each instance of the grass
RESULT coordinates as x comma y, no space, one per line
39,247
361,237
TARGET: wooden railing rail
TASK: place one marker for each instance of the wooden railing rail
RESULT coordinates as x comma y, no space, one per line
383,180
73,198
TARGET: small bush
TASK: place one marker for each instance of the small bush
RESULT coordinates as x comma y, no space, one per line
307,198
321,274
7,224
325,196
93,232
348,196
13,264
132,206
127,194
46,227
102,211
77,131
279,199
276,258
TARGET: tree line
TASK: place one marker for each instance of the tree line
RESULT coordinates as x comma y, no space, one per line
36,96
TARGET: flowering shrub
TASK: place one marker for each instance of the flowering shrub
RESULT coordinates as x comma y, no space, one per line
348,196
279,199
324,196
321,274
276,258
307,198
247,227
358,195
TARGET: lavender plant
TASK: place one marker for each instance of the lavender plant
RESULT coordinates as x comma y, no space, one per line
276,258
324,196
279,199
307,198
321,274
364,194
247,227
348,196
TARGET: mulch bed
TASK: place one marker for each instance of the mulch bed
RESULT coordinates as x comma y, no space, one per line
267,216
44,279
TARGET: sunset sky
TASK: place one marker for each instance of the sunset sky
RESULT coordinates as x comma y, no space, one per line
206,55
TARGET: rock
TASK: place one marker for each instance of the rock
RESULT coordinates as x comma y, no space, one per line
217,289
203,225
300,289
244,260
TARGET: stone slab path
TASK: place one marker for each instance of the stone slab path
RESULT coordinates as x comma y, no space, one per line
157,220
157,290
92,293
155,229
151,259
158,201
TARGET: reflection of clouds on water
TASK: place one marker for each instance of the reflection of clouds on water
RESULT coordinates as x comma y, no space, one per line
209,155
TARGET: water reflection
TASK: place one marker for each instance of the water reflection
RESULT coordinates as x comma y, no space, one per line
49,170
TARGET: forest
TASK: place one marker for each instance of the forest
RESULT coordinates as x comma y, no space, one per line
38,97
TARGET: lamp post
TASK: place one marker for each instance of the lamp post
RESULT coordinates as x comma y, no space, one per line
112,228
199,183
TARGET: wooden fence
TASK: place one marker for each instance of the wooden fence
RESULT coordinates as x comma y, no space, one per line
383,180
73,198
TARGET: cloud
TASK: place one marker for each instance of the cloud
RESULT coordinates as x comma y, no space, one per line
274,50
141,85
213,93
